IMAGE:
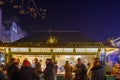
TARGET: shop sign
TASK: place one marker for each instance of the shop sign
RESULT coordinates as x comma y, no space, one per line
19,50
62,49
86,50
40,49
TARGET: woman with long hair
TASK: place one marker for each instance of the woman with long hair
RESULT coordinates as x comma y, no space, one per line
97,70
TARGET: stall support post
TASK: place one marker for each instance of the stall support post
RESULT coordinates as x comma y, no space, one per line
9,55
53,55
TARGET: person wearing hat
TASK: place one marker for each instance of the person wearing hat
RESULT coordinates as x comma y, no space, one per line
27,72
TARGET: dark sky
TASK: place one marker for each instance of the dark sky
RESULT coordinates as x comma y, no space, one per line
98,19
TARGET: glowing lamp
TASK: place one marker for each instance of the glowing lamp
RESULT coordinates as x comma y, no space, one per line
22,12
16,6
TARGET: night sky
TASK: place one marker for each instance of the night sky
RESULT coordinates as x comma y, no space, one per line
98,19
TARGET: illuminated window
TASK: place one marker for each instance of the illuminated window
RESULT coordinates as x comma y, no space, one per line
14,29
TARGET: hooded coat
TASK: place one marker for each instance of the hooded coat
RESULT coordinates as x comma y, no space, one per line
27,72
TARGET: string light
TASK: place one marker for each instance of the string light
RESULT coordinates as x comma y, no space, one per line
27,7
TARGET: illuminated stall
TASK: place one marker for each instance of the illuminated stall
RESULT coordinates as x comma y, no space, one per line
60,46
57,54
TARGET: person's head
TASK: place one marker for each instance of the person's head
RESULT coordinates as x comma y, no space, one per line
1,67
50,61
26,63
55,62
18,60
40,61
36,59
88,64
67,62
96,59
96,62
47,60
13,59
79,60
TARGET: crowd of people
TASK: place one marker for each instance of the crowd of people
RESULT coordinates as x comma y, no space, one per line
93,71
28,71
12,70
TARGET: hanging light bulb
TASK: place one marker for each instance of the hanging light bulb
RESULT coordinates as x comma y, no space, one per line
15,6
22,11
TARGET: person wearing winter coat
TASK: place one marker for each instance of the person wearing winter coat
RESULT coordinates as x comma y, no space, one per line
13,70
68,71
49,70
55,70
80,70
27,72
97,70
37,68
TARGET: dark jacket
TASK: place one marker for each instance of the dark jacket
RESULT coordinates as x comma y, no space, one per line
81,71
49,72
13,71
38,70
97,73
28,73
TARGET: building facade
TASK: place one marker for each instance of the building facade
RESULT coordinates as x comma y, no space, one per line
12,32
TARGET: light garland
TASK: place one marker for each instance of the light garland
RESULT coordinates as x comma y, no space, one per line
27,7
